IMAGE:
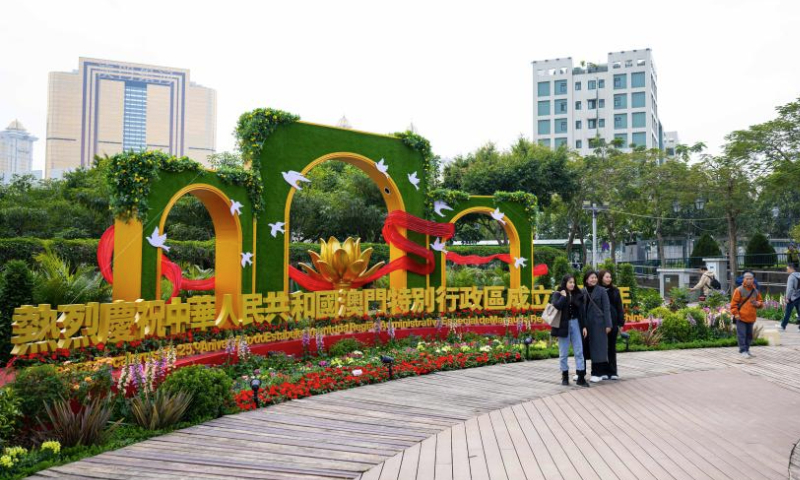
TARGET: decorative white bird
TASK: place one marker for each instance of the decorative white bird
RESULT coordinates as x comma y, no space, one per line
412,177
247,258
439,246
382,167
498,215
236,207
293,178
439,205
277,227
519,262
157,240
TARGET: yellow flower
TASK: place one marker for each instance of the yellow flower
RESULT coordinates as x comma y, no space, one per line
76,387
6,461
88,379
52,445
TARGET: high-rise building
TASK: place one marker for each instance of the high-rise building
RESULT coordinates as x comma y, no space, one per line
572,105
16,152
106,107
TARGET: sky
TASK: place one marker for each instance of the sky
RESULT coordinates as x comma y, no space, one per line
460,71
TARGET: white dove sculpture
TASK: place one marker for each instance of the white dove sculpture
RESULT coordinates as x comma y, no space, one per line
157,240
439,205
247,258
294,178
236,207
439,246
519,262
277,227
382,167
412,177
498,215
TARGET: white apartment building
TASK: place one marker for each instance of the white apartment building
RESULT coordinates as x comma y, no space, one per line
572,105
16,152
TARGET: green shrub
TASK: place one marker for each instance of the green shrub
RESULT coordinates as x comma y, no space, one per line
626,277
16,289
759,252
649,299
701,330
57,283
706,247
10,414
210,387
715,300
87,426
561,267
159,410
345,346
676,328
37,386
659,312
545,255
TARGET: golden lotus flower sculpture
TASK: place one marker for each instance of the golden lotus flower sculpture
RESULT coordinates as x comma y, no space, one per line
340,263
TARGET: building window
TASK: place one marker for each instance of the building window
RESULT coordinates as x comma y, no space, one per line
620,101
620,121
628,63
578,105
620,81
560,141
134,117
544,127
577,86
639,139
623,137
639,63
602,103
602,123
601,84
592,84
578,144
637,99
561,125
616,65
544,142
544,107
592,104
639,120
559,106
577,124
544,89
560,87
637,80
591,123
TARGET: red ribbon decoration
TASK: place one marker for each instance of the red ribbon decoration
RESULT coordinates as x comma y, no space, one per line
171,270
477,259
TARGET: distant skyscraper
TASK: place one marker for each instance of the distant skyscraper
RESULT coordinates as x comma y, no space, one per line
107,107
615,100
16,151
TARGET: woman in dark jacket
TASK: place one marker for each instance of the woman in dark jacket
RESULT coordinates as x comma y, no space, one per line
617,320
567,299
597,319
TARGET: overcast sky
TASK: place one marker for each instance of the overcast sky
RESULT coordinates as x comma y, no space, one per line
460,71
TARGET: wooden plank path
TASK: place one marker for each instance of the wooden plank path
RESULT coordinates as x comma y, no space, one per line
677,414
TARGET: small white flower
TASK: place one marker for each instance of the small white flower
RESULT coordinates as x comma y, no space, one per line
357,373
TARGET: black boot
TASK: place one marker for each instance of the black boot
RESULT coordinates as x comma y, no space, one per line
582,378
565,378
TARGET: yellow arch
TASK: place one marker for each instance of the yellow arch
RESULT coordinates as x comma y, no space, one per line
513,241
389,191
228,240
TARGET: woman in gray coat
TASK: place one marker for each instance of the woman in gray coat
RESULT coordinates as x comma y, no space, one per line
597,320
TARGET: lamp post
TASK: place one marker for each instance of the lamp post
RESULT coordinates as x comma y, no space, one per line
594,208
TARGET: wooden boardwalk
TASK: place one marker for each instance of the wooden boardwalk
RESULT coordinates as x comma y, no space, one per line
675,415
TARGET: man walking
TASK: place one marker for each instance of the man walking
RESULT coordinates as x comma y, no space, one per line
792,298
706,282
744,307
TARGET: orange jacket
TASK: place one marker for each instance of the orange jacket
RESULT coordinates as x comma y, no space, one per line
748,312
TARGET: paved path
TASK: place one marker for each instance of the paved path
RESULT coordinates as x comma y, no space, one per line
676,415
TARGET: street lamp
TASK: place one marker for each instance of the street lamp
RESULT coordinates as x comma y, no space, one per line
676,206
594,208
700,204
775,212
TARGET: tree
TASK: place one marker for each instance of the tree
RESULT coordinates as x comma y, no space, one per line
16,289
705,247
759,252
226,159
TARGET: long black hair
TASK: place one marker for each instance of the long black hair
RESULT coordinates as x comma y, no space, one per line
589,274
564,281
601,274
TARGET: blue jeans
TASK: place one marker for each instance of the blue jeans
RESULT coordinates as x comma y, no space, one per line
744,334
789,307
576,339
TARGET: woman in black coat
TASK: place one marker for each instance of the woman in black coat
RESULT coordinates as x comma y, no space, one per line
597,319
617,320
567,300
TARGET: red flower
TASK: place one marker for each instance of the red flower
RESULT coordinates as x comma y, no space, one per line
100,346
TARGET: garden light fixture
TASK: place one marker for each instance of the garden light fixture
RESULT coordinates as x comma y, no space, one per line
389,362
527,342
255,384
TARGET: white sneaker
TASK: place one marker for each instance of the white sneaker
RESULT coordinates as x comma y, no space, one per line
614,377
605,377
594,379
745,355
575,378
750,355
781,329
